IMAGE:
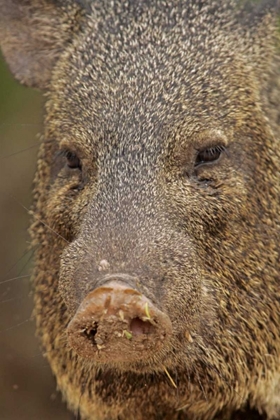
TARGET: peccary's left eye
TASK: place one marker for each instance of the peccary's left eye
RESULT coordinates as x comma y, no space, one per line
209,155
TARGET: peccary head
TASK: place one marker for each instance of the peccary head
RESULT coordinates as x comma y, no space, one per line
156,214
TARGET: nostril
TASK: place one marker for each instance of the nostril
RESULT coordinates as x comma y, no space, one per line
137,327
91,332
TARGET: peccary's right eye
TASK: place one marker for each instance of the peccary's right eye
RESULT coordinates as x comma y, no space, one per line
64,162
72,160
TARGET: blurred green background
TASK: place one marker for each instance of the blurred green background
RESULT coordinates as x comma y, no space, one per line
27,389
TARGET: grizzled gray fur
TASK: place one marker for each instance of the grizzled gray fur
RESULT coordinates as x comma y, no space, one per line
156,217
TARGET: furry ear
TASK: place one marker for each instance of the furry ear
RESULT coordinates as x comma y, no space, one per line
261,34
33,33
260,22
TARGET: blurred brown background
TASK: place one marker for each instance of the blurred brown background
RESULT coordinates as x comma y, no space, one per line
27,389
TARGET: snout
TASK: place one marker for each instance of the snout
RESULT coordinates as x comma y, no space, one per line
116,323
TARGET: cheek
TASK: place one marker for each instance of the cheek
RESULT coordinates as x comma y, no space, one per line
62,211
212,206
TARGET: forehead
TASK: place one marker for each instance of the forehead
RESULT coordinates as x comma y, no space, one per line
151,68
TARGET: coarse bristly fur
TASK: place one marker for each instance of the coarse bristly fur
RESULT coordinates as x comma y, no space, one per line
160,155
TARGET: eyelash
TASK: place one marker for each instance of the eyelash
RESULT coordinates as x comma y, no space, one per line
209,155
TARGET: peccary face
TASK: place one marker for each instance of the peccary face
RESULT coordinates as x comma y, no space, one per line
156,197
162,178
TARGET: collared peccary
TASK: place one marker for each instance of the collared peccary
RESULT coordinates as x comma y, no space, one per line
156,203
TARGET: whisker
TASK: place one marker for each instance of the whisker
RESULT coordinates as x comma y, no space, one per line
12,299
20,124
17,325
20,151
15,278
37,218
51,229
17,262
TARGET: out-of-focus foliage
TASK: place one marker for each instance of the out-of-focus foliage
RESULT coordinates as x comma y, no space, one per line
27,389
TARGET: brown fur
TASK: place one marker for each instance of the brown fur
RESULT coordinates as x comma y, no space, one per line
136,90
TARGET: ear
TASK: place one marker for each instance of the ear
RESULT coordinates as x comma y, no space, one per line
261,35
262,19
33,33
262,32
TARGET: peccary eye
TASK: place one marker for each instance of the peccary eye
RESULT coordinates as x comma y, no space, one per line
73,161
209,155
